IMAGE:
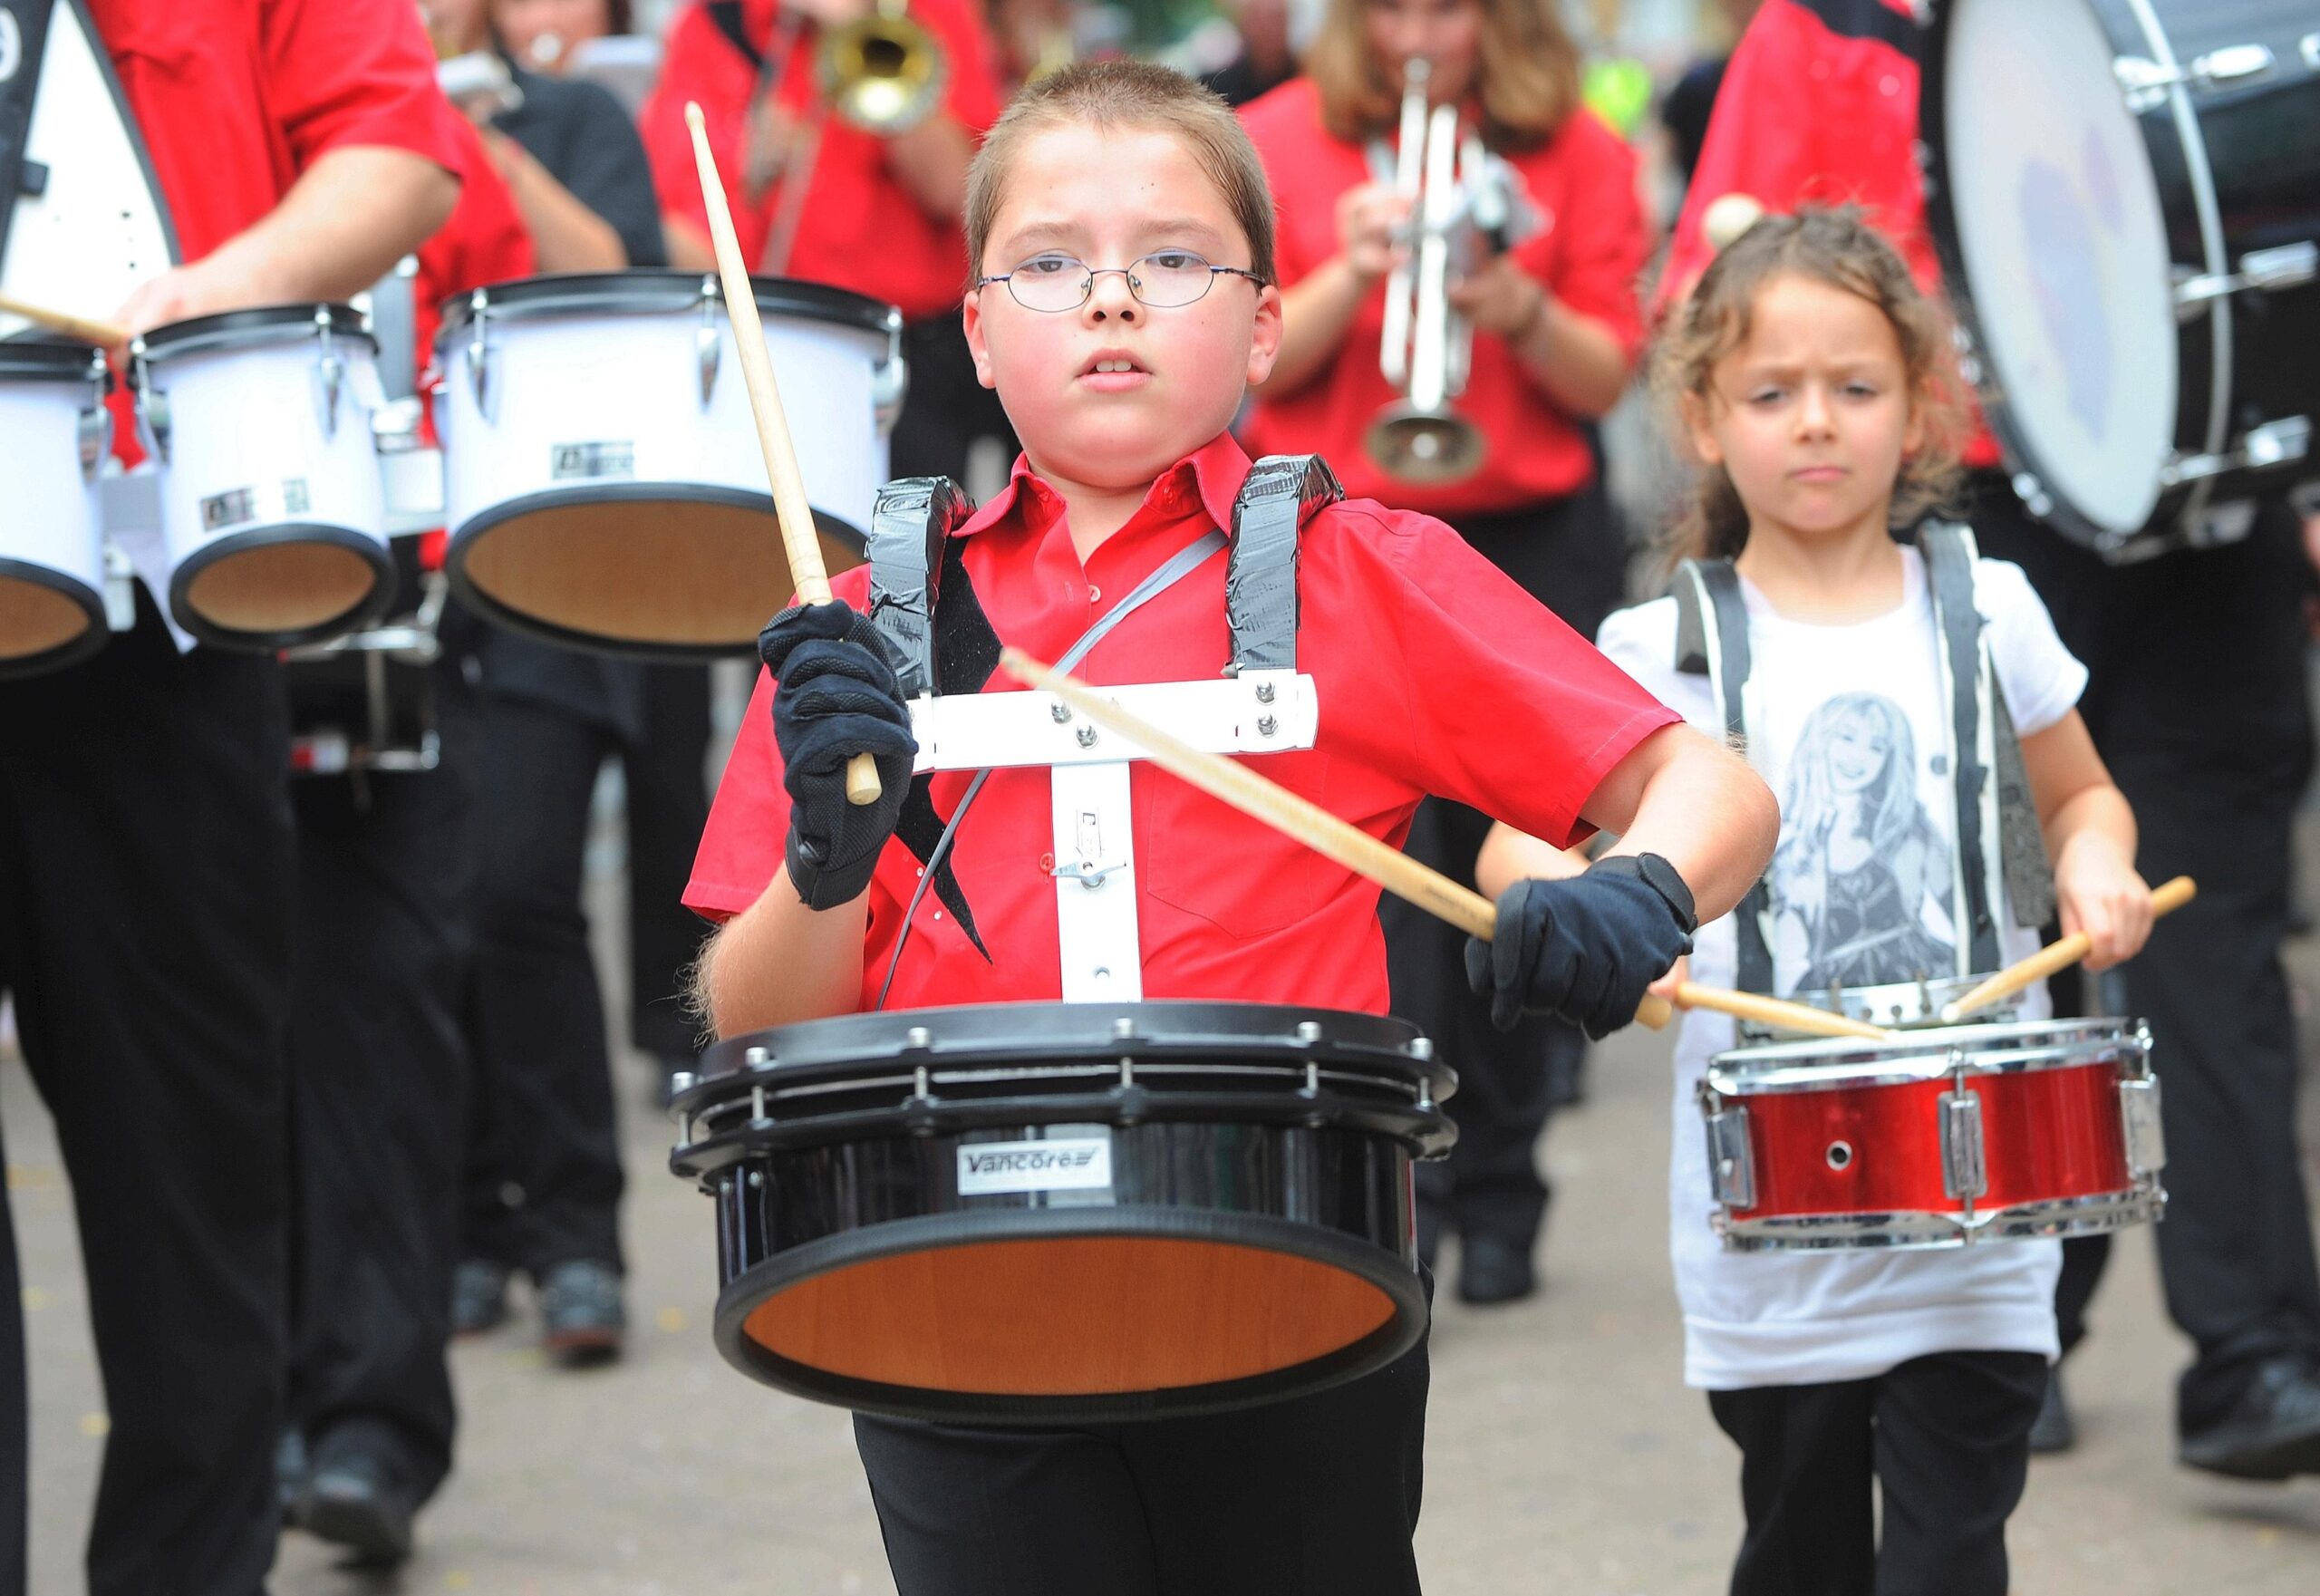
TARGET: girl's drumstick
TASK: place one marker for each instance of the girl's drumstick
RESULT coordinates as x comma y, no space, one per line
1236,784
789,505
2062,955
104,333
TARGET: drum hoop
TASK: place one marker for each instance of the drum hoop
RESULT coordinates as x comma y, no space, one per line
1928,1230
251,329
1403,1328
49,360
353,619
1926,1055
659,292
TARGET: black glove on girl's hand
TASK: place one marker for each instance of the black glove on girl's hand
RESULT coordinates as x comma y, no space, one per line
835,697
1587,947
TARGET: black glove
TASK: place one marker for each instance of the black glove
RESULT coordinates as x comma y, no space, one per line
1587,947
836,697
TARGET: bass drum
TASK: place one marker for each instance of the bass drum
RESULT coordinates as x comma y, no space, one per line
2126,198
1066,1214
54,432
602,478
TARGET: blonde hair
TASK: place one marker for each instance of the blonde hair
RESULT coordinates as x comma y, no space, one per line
1839,248
1527,74
1115,94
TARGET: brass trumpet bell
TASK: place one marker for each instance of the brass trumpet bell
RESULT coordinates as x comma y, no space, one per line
1428,447
884,74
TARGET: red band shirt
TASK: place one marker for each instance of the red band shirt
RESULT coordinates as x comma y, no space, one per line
1818,107
1435,675
237,98
860,229
1589,255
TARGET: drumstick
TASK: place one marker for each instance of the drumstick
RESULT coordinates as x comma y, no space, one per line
2060,955
107,335
790,509
1234,783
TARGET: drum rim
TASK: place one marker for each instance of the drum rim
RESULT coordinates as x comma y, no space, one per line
1404,1329
1935,1053
2019,460
92,604
354,619
256,326
1193,1023
659,290
617,492
1925,1229
59,360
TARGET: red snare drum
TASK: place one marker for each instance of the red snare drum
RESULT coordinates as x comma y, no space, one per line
1970,1133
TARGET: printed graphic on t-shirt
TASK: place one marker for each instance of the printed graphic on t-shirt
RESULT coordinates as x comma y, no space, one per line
1861,884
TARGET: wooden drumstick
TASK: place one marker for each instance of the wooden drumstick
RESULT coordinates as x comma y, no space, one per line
2060,955
106,334
1234,783
790,509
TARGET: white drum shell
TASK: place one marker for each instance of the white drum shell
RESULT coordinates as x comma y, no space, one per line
258,456
576,403
50,534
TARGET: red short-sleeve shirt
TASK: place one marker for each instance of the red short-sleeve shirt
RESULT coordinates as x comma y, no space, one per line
236,98
1818,107
860,228
1435,675
1589,255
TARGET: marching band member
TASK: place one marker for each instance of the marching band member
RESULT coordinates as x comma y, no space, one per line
1556,327
2197,701
1817,391
145,835
814,196
380,1067
1122,233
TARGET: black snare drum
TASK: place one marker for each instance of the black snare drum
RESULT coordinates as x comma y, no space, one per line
1066,1214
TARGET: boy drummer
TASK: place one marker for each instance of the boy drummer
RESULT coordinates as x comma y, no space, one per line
1122,235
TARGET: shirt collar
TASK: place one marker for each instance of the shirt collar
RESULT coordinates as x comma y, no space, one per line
1211,473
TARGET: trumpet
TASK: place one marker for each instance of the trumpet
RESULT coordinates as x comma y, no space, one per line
1464,201
884,72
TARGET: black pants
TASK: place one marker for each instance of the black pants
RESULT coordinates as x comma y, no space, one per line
145,931
379,1085
668,808
2198,703
1317,1496
945,409
1569,555
1945,1440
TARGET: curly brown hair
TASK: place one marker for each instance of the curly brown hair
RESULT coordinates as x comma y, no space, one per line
1839,248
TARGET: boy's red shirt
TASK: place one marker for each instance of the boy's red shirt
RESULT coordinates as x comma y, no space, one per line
1435,674
1589,254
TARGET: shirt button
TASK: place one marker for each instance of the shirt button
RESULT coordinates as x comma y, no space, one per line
1094,593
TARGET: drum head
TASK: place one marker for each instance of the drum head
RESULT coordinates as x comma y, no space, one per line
2051,226
45,620
681,573
283,587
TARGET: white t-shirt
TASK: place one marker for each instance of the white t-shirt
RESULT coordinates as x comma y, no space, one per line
1862,888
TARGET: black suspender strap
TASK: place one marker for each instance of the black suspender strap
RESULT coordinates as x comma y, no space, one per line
1949,556
1281,493
1712,639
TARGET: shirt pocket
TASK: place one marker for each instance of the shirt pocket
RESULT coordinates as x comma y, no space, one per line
1201,856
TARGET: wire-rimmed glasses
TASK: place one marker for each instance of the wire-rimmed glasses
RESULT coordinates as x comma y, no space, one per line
1167,279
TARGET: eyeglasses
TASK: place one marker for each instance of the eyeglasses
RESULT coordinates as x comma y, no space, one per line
1166,279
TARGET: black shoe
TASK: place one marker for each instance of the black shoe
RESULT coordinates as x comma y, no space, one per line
355,1496
2271,1433
2054,1430
478,1297
1494,1271
582,1319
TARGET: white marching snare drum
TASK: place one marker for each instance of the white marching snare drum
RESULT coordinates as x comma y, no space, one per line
603,479
52,434
271,504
